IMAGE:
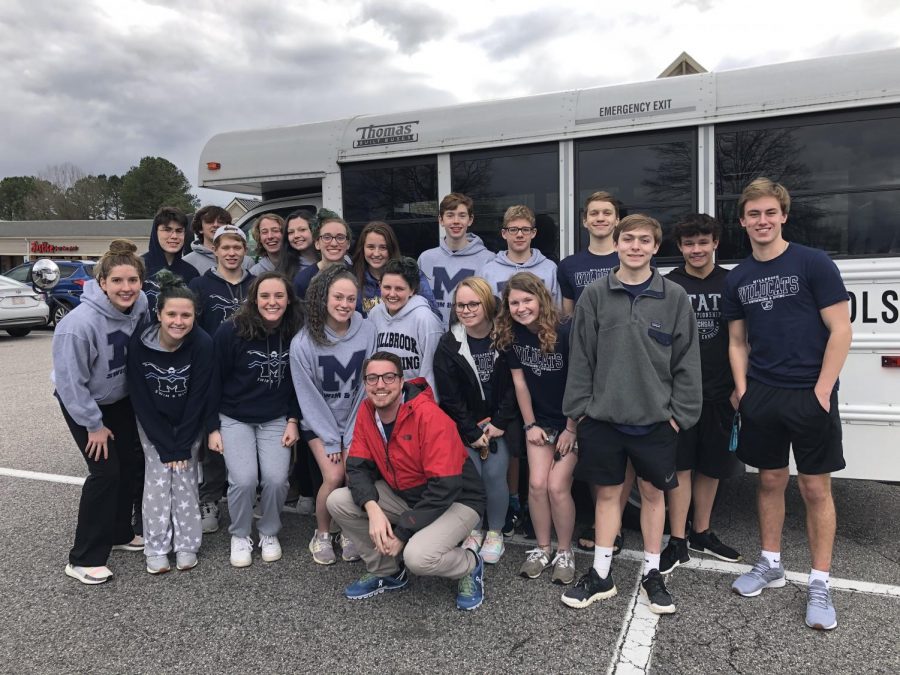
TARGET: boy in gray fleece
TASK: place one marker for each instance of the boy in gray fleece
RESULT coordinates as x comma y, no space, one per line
518,230
634,382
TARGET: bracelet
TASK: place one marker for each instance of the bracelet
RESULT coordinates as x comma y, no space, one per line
571,431
291,419
529,427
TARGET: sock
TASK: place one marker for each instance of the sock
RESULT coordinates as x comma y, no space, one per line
602,560
773,557
514,502
651,562
820,575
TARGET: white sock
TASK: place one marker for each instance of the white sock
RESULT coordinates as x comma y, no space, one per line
773,557
651,562
820,575
602,560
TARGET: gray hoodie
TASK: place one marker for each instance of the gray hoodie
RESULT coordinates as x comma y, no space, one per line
204,259
328,380
412,334
498,271
89,354
445,268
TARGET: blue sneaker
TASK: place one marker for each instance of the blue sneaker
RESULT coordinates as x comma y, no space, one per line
369,585
471,588
820,612
750,584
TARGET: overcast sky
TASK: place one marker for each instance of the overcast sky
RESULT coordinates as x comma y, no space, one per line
101,83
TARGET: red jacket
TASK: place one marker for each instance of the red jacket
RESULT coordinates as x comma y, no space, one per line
424,461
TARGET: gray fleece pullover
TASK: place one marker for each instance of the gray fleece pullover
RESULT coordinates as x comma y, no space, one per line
89,355
328,380
635,364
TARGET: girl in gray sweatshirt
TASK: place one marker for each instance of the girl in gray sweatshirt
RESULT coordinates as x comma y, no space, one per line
327,356
89,356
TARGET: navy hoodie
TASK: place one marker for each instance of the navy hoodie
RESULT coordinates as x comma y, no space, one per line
251,379
169,389
155,260
218,299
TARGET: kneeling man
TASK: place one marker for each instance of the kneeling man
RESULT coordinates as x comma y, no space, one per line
413,492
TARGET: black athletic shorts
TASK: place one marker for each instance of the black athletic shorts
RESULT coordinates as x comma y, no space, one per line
704,447
773,419
603,452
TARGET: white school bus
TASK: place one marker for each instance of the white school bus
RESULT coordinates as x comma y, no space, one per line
828,129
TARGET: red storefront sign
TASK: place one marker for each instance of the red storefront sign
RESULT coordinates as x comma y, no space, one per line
46,247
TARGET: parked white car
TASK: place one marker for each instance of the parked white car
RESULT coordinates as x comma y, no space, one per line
21,308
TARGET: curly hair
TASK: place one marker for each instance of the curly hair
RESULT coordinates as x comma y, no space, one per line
548,315
359,255
316,301
250,324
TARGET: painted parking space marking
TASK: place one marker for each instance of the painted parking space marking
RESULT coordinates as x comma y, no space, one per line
634,647
37,475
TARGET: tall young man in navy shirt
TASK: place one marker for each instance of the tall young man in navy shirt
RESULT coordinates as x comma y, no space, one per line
789,335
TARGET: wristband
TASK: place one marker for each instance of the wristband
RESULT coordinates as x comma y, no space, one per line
291,419
529,427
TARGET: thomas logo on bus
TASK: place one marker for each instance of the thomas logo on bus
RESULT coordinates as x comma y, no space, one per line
387,134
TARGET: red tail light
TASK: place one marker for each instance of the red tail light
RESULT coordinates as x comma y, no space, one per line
79,282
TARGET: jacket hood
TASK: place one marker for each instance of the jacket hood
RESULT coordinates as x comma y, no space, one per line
356,322
415,304
150,338
155,257
536,259
95,297
198,247
473,247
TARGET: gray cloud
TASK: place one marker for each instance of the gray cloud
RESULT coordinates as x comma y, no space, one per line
411,24
511,36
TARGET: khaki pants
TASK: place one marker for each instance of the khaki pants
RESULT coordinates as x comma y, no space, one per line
433,551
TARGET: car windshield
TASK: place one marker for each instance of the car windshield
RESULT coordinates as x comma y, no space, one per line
6,283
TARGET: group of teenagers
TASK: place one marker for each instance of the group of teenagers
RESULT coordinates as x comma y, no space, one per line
419,387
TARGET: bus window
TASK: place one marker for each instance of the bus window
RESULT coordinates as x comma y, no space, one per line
498,179
842,169
653,173
401,192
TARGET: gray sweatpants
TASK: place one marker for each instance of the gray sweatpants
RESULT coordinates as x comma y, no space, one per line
246,447
433,551
493,475
170,504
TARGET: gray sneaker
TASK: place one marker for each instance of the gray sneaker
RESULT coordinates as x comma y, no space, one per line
159,564
185,560
537,561
209,517
322,549
820,612
750,584
563,568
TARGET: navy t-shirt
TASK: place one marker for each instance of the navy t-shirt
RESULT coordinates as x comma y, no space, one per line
706,300
576,271
780,300
545,373
483,355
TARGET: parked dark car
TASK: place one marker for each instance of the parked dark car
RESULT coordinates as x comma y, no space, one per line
73,274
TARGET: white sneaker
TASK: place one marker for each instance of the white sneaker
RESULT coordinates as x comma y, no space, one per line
473,541
492,548
241,551
271,548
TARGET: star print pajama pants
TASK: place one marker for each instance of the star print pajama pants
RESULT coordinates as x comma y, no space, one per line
171,504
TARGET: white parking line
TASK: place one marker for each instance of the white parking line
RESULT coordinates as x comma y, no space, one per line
635,644
36,475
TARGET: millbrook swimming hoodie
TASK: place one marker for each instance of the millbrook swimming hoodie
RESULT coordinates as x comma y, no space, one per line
169,389
498,271
412,334
328,380
89,354
445,268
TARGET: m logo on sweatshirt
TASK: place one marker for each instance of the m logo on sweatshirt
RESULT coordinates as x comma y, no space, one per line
334,372
171,382
444,284
271,366
119,342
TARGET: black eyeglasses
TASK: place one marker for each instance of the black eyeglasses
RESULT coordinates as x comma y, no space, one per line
516,230
170,230
387,378
339,238
467,306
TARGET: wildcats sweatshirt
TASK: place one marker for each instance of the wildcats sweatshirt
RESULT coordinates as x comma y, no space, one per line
218,298
446,268
89,354
169,389
328,380
498,271
412,334
251,379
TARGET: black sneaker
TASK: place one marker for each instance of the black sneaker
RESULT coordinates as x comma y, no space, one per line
707,542
674,554
513,519
654,589
588,589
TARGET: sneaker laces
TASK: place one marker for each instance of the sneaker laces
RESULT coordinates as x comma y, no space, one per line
818,595
760,568
654,583
563,559
320,543
266,540
536,554
467,586
245,544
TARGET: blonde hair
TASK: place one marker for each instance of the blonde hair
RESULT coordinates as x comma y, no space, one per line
764,187
482,290
518,212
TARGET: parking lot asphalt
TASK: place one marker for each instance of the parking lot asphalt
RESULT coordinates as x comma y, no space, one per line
290,616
